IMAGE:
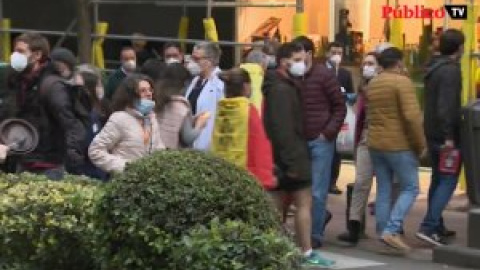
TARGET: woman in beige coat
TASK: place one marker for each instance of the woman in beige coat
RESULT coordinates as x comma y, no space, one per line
131,131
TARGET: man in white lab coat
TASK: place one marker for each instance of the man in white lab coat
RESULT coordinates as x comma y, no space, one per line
206,89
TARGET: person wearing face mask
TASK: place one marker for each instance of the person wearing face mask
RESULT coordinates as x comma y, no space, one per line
325,111
344,76
285,126
363,163
51,110
128,58
206,89
87,78
251,149
132,131
178,127
443,88
396,143
172,53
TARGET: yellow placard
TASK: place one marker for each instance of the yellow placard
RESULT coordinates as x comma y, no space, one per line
230,135
211,33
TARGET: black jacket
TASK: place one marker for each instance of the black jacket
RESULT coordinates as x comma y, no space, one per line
49,109
443,89
344,77
283,120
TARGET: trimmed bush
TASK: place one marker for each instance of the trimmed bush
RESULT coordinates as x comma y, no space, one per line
47,224
235,245
162,197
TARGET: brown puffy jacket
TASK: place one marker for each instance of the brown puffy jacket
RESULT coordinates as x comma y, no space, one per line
395,122
323,103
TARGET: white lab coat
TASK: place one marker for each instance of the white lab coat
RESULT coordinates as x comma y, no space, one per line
212,92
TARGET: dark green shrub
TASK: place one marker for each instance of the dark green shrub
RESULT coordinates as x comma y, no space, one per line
163,196
235,245
47,224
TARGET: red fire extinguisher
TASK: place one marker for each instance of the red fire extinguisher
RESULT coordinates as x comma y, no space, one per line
450,160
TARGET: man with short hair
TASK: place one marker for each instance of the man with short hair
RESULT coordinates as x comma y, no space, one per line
284,125
334,60
324,110
206,89
396,142
128,59
172,53
47,106
443,88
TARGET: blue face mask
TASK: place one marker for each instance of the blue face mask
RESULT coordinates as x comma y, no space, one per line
144,106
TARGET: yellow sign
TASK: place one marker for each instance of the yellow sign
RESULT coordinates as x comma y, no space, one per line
230,135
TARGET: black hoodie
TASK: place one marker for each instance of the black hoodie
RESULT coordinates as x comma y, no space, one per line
443,89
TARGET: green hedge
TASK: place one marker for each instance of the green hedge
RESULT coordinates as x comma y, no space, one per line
162,197
235,245
47,224
172,210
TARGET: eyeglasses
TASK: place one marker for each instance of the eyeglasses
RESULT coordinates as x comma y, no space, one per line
197,59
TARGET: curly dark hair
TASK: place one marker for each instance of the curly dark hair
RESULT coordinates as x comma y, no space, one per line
127,92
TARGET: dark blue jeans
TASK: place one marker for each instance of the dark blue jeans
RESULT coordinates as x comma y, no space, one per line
442,187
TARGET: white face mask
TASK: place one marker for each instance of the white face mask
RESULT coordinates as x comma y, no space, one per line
18,61
336,59
298,69
369,72
129,66
194,68
172,60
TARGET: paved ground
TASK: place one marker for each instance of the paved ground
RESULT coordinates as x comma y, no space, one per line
366,255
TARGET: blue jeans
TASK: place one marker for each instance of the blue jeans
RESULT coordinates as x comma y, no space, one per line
403,164
442,187
321,152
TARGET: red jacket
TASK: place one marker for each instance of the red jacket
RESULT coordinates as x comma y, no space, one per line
259,157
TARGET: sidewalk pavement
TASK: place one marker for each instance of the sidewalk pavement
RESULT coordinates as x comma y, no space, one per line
366,254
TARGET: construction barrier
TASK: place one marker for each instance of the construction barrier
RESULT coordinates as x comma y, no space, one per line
98,58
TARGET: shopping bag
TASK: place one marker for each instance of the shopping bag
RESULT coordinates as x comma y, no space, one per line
346,137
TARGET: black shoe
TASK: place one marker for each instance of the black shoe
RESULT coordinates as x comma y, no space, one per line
433,239
335,191
353,234
446,233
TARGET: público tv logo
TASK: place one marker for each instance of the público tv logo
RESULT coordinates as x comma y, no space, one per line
456,12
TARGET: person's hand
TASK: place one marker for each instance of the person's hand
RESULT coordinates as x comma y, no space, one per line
201,120
292,175
322,137
3,152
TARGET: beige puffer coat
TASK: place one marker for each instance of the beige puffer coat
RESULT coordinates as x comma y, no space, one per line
395,122
122,140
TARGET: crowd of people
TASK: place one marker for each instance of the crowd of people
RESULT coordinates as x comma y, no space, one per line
290,106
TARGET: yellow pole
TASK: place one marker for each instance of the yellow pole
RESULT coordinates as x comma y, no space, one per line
6,41
183,30
299,25
468,64
98,58
211,33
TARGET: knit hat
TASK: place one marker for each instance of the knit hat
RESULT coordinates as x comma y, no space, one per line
65,56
